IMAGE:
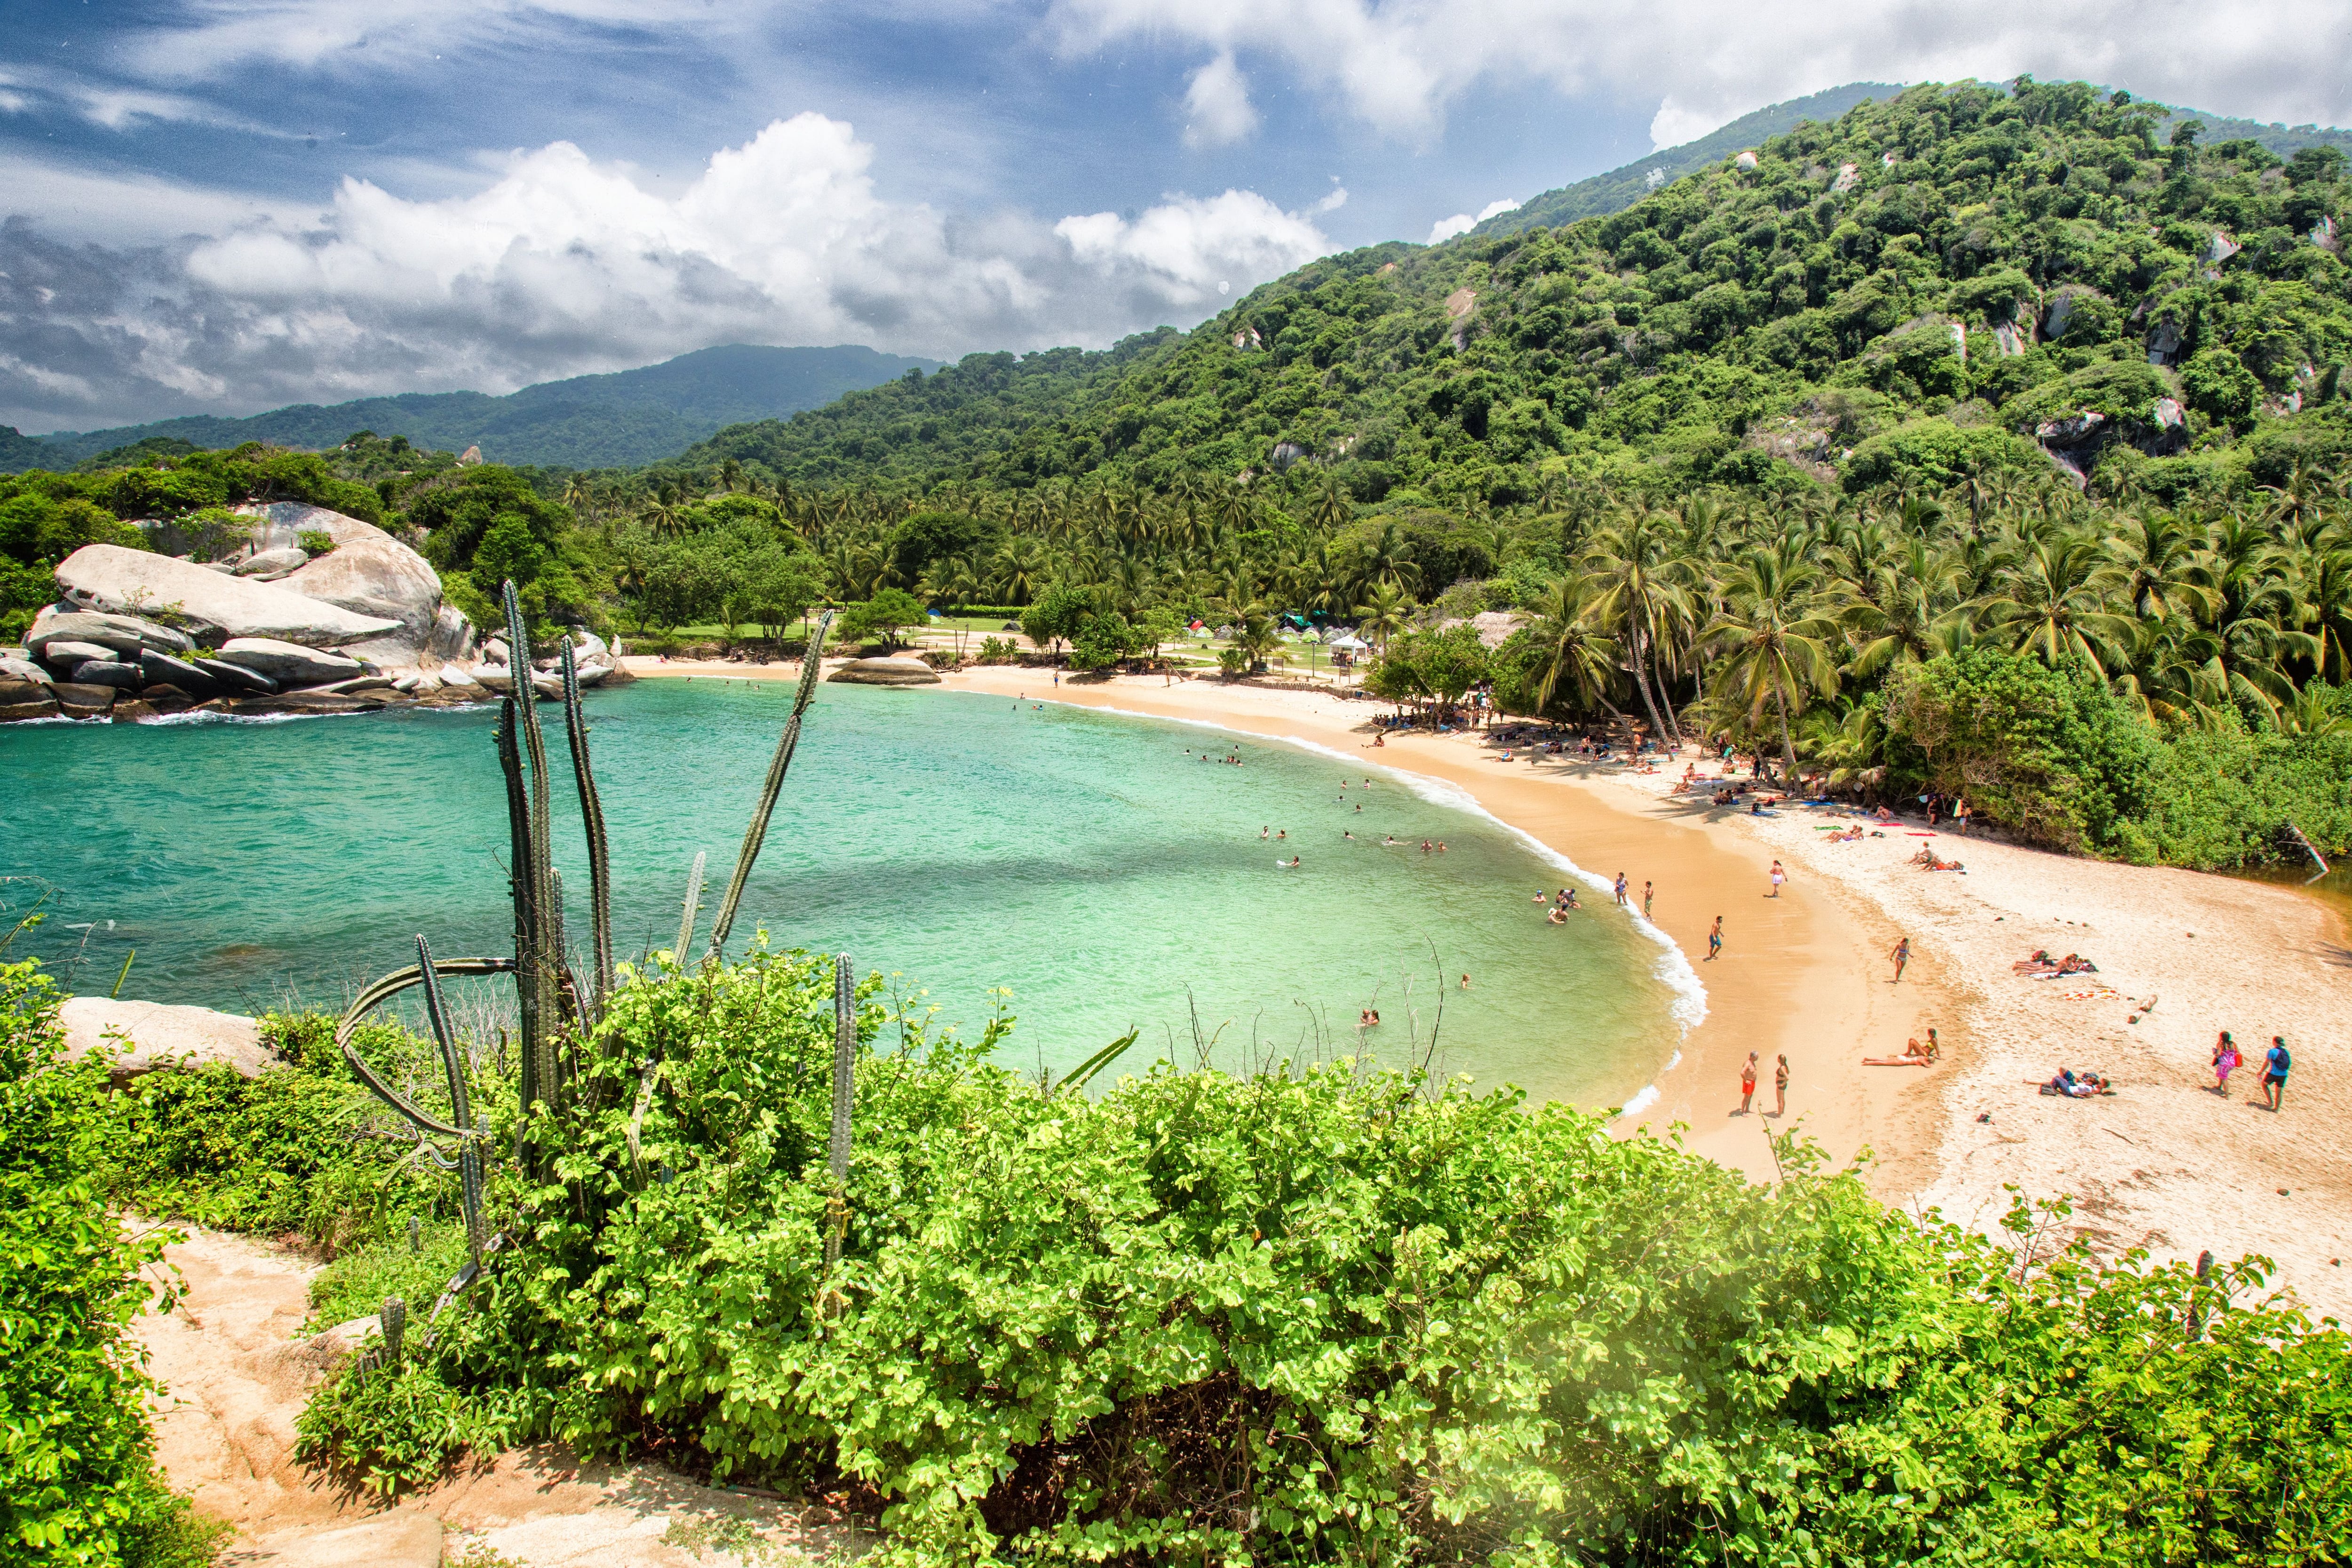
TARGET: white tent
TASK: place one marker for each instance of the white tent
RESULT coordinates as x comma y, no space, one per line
1348,641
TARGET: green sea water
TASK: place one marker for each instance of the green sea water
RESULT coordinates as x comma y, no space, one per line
1090,865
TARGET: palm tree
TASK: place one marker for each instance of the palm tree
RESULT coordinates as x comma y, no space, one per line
1776,636
1385,613
2153,566
1021,567
1642,591
1571,649
2054,606
1909,610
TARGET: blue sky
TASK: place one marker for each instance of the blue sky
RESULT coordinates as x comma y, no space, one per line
221,206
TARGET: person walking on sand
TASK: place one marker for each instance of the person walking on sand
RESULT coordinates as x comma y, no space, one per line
1780,1089
1715,940
1747,1083
1647,894
1779,877
2275,1063
2225,1062
1901,954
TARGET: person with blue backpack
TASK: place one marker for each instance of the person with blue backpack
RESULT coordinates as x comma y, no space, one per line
2275,1063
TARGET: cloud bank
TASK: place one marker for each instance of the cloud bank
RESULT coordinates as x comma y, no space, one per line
563,265
1398,65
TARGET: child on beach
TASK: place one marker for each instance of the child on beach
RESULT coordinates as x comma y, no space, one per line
2225,1062
1647,895
1779,877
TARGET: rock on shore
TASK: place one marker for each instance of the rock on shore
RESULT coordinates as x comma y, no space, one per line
145,1037
901,670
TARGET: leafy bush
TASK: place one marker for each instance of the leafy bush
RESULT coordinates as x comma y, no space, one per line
996,650
316,541
1329,1316
77,1479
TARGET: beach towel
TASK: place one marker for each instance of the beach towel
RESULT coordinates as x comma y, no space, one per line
2099,994
1917,834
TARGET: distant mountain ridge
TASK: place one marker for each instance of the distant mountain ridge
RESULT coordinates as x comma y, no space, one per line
1620,188
618,420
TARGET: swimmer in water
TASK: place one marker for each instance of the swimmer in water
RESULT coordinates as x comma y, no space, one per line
1283,833
1425,845
1263,832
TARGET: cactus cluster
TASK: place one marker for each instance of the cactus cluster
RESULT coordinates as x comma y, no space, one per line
557,1012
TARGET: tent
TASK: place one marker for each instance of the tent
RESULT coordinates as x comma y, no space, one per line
1348,642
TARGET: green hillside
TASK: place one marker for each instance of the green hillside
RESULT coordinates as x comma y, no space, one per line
617,420
1621,189
1988,264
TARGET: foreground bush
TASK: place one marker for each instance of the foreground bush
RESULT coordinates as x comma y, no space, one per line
1329,1316
77,1473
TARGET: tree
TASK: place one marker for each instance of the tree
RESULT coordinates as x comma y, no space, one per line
885,616
1103,642
1056,615
1777,638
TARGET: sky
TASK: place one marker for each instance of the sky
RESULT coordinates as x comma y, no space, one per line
228,206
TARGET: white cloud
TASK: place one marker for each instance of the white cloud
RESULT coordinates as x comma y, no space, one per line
1445,228
1399,66
1672,124
374,35
1217,105
563,265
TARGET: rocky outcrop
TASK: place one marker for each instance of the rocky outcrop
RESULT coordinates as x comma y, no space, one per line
891,671
383,579
25,669
77,700
209,606
110,672
123,634
146,1036
271,564
288,663
21,699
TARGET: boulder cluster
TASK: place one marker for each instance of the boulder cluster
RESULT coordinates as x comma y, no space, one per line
292,622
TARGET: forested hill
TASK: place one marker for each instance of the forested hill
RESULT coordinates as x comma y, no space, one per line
1921,288
621,419
1621,189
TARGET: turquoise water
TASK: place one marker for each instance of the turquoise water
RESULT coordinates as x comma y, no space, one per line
1089,862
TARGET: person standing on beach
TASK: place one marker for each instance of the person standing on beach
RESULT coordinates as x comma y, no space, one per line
2275,1063
2225,1062
1747,1083
1780,1089
1647,894
1960,814
1621,890
1779,877
1715,940
1901,954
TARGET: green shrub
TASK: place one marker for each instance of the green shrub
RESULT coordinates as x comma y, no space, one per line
1329,1315
77,1483
316,541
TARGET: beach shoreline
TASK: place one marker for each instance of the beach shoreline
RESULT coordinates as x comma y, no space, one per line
2158,1166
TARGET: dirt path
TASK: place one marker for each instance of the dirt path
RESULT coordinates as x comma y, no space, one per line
236,1377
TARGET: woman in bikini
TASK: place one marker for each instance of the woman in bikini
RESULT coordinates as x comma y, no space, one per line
1912,1056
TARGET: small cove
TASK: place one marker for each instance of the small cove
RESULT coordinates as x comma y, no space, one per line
1091,864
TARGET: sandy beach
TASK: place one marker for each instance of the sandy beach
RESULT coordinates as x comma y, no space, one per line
2162,1164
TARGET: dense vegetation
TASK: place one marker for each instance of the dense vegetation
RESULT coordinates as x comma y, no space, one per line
1324,1316
77,1483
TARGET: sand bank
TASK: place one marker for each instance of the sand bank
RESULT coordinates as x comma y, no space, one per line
2161,1165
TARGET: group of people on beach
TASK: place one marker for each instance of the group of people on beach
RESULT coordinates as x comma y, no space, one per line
2276,1063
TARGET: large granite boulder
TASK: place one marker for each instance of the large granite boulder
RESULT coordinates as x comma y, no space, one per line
123,634
146,1035
281,525
21,699
235,676
214,609
77,700
14,668
379,577
163,669
289,664
110,672
899,670
64,653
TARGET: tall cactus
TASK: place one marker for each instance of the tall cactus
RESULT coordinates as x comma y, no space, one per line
393,1320
845,1099
811,664
544,961
591,822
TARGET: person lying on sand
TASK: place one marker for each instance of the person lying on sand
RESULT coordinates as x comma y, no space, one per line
2083,1085
1914,1056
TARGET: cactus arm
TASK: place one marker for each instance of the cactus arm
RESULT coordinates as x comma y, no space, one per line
592,821
811,664
693,900
391,985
